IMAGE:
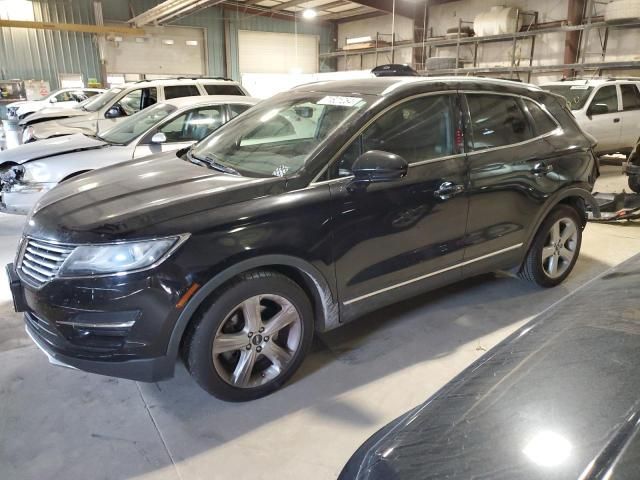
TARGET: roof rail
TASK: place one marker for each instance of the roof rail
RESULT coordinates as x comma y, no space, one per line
394,70
206,78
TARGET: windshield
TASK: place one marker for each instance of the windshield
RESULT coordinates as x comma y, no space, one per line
277,137
136,124
576,95
96,103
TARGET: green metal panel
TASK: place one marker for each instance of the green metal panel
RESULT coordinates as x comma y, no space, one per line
44,54
31,54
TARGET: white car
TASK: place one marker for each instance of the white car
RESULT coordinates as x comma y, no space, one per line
61,99
29,171
103,112
608,109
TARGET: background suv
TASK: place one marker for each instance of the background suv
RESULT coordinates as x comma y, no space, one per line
608,109
235,251
104,111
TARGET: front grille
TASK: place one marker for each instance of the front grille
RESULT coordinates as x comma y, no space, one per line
41,260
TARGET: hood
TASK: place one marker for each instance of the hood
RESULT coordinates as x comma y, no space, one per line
557,399
18,104
49,148
65,126
52,114
135,198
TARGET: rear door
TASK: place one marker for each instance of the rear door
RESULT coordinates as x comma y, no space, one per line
605,127
397,238
630,114
183,130
511,169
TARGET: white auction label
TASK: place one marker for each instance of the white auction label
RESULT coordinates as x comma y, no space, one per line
339,101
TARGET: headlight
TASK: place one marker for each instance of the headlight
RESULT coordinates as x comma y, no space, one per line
28,134
115,258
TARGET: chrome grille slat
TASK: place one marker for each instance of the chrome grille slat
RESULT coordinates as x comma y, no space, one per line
41,260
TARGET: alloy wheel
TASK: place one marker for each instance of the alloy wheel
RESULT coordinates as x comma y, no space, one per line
560,247
257,341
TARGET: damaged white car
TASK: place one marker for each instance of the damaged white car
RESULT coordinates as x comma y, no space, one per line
29,171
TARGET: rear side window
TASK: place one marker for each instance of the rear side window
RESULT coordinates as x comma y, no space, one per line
236,109
179,91
606,96
497,120
630,97
542,122
213,89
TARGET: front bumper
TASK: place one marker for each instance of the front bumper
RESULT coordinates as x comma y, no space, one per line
108,326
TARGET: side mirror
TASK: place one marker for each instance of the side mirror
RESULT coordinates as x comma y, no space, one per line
53,100
159,138
114,112
377,166
597,109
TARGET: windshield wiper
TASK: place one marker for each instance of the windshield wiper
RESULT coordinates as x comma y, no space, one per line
213,162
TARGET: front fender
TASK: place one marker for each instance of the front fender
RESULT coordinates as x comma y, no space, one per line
327,313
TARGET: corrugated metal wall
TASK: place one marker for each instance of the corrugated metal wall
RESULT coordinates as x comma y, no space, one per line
44,54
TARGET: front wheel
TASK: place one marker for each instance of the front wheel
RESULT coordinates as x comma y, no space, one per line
251,338
555,248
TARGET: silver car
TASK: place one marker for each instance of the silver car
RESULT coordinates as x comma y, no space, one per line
30,170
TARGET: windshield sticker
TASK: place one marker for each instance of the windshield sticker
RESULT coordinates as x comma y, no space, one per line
339,101
579,87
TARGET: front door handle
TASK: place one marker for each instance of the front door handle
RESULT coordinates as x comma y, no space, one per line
541,168
447,190
616,120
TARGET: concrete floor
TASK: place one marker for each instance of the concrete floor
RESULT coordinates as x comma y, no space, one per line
61,424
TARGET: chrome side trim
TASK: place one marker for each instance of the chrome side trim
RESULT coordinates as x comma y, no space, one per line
98,325
51,358
511,145
438,272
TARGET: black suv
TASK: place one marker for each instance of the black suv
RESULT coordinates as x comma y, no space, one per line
313,208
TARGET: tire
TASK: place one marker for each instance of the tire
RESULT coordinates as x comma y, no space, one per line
634,183
223,325
561,248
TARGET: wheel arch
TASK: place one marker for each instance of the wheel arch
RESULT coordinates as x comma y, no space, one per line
325,305
575,197
74,174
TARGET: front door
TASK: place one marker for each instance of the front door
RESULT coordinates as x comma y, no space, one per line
394,239
630,115
606,127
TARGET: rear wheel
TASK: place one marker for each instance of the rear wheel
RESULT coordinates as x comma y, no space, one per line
555,248
251,338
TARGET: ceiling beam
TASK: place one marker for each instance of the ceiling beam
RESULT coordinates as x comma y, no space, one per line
363,16
347,14
289,4
73,27
405,8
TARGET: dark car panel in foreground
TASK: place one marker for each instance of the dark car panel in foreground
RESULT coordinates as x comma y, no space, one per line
558,399
307,211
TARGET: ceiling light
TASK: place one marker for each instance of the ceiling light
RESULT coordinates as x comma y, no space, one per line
309,13
168,41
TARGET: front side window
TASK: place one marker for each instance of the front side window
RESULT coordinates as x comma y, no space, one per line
194,124
497,120
179,91
64,97
417,130
130,128
137,100
630,97
606,96
277,136
213,89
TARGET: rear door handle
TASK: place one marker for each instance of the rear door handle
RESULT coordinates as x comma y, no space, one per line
616,120
541,168
447,190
